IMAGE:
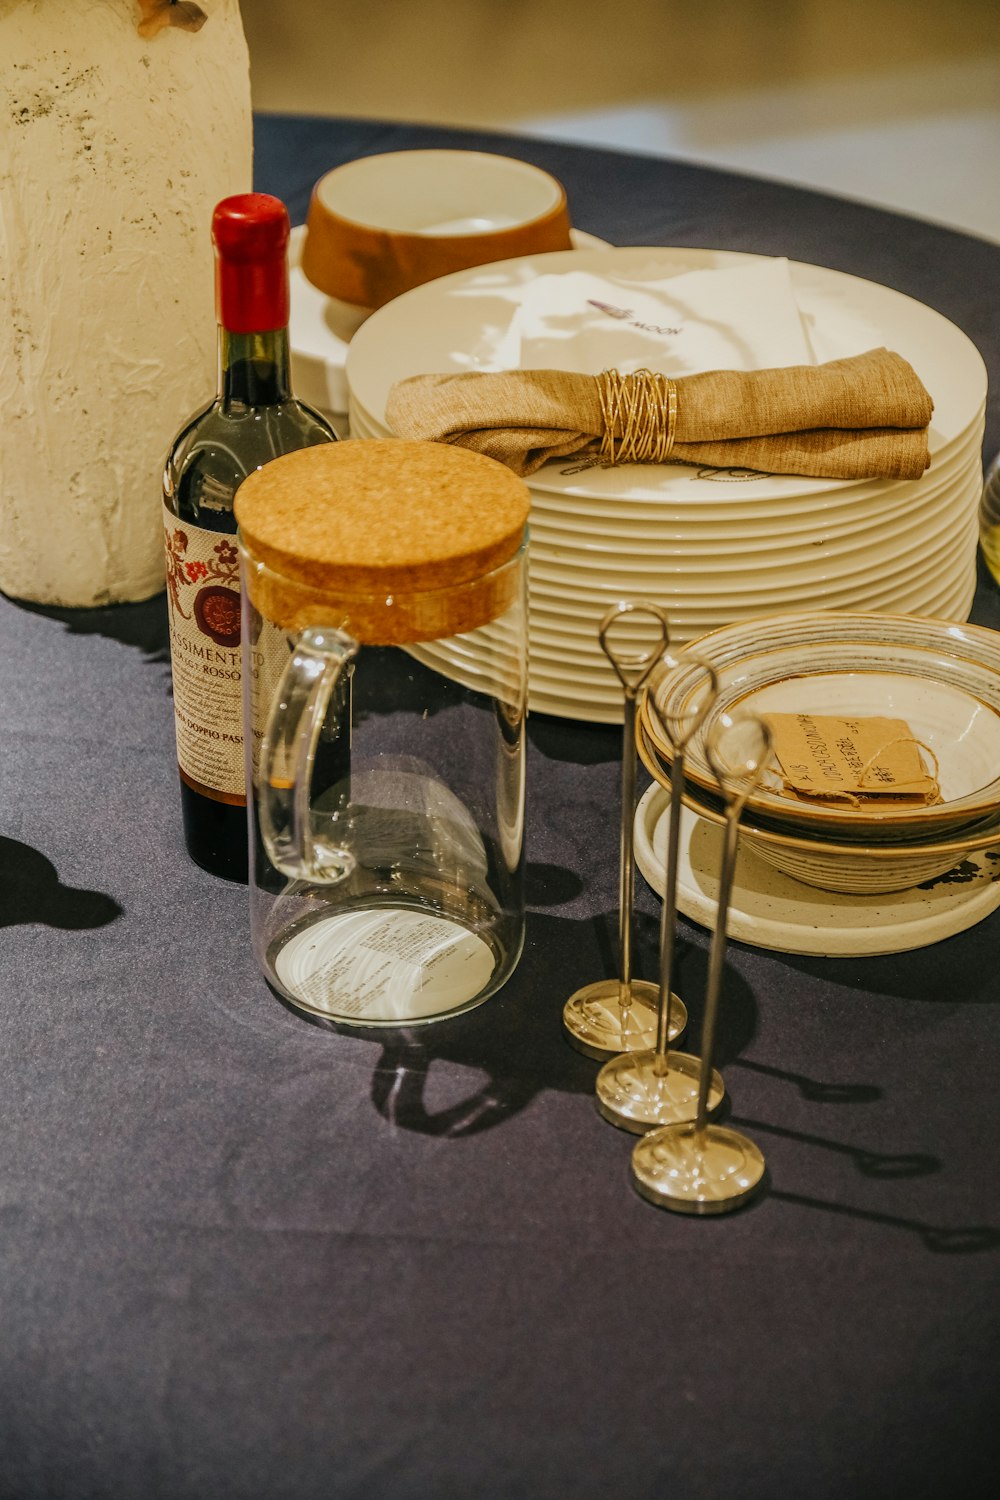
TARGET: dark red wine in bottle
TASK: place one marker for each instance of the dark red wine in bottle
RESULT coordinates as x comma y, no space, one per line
253,419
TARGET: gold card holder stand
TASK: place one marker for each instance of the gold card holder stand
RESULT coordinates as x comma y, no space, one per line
697,1167
618,1015
639,1091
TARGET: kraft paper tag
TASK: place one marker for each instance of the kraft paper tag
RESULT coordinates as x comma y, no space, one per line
824,757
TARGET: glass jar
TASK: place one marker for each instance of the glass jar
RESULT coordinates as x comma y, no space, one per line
385,671
989,517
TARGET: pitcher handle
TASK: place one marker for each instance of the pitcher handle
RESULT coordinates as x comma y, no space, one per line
288,752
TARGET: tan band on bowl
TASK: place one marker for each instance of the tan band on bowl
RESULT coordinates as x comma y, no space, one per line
367,267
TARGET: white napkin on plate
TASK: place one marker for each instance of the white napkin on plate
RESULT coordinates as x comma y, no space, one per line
742,318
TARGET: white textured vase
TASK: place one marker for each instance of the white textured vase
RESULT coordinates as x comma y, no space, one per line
114,148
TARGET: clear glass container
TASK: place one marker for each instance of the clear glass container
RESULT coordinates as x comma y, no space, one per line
989,518
386,751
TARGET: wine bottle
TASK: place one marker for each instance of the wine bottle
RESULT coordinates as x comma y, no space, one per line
253,419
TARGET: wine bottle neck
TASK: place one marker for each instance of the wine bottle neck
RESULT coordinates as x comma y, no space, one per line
254,368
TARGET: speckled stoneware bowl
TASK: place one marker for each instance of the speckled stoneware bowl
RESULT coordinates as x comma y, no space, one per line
853,868
941,677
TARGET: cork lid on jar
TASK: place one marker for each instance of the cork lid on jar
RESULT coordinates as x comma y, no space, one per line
393,541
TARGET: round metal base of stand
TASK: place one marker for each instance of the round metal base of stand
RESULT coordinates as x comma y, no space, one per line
596,1025
634,1096
674,1168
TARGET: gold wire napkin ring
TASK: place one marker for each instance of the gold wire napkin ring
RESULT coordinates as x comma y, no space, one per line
642,409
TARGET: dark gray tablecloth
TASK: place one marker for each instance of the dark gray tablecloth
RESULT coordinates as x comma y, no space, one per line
241,1256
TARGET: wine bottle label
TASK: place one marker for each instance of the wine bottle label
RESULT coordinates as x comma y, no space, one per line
203,597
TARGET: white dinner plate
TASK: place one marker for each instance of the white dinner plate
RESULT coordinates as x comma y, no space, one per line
574,679
721,495
434,327
685,589
579,524
711,547
751,568
558,639
938,576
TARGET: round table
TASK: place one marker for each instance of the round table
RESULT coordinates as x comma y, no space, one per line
246,1257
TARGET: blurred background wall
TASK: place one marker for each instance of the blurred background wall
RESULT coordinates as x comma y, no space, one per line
893,101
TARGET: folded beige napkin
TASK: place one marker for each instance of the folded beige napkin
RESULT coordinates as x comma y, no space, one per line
859,418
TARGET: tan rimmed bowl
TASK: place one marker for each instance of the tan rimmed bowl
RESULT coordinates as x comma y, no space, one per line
381,225
942,677
857,869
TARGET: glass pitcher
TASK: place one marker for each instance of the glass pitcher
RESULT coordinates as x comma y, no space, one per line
385,671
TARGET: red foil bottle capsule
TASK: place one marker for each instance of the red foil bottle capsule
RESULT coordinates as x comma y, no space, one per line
250,234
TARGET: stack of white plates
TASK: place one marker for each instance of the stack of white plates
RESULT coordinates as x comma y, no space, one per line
711,546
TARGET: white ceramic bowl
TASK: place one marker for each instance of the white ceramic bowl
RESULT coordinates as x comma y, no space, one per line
382,225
